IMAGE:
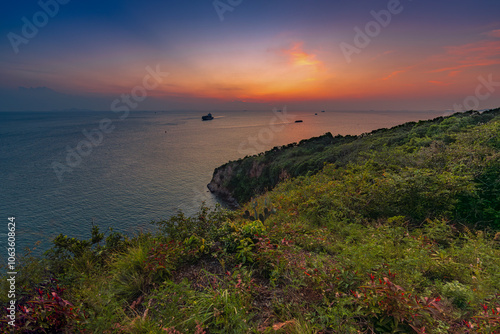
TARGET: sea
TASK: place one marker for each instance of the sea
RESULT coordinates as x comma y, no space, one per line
62,172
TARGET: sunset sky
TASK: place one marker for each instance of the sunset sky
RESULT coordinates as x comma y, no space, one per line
424,55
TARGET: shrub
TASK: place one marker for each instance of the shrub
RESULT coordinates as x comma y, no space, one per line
46,311
459,294
392,309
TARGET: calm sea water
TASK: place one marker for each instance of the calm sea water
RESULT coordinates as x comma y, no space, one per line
150,165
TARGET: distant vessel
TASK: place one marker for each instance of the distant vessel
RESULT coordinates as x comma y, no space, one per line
299,121
208,117
322,111
315,114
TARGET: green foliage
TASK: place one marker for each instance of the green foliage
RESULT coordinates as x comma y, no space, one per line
86,256
483,206
223,306
388,308
268,211
460,295
130,277
205,224
257,174
164,258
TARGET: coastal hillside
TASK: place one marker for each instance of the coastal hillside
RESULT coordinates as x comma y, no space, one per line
396,231
238,181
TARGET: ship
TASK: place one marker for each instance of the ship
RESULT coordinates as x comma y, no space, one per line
208,117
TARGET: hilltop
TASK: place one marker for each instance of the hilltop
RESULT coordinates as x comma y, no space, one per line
238,181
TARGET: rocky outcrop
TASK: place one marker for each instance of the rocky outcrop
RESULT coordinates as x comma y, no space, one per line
238,181
218,185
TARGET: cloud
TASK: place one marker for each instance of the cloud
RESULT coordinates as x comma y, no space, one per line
393,74
478,54
439,83
298,57
493,33
397,72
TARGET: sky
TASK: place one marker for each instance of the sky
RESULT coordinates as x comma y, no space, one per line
254,55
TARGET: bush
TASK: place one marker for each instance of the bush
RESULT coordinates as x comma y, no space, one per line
460,295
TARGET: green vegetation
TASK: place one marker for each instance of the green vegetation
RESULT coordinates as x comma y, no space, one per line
400,234
258,174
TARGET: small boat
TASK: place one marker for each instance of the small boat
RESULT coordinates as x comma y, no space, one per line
315,114
208,117
322,111
299,121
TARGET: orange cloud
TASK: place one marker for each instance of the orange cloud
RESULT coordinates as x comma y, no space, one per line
300,58
483,53
439,83
393,74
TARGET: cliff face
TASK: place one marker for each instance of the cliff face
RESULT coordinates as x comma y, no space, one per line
237,181
231,181
218,187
